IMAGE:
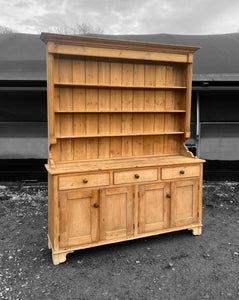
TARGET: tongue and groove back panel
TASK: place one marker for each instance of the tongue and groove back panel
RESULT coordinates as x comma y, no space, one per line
106,108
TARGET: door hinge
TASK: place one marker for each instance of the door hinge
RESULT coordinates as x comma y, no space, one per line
199,187
198,214
133,195
133,226
59,204
138,224
138,194
59,238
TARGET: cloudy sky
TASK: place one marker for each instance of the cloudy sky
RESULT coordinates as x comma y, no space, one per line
123,16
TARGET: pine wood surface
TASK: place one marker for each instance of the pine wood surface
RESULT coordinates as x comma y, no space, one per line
118,117
96,165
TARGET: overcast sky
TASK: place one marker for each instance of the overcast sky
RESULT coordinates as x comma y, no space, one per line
123,16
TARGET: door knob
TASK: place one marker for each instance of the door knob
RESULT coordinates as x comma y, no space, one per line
182,172
136,176
96,205
85,180
168,195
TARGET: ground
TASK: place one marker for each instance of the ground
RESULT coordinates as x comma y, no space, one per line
170,266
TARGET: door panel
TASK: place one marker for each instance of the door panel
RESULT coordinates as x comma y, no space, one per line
153,207
116,212
184,208
78,218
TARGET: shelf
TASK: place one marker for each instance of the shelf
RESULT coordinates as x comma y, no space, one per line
102,135
104,86
121,111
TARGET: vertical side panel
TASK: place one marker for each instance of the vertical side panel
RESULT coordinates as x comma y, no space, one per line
63,228
51,209
50,98
55,200
188,101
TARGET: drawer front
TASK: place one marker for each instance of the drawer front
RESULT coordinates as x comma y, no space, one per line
180,172
83,181
121,177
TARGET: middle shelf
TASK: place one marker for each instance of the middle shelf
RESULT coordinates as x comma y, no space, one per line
119,111
97,135
119,86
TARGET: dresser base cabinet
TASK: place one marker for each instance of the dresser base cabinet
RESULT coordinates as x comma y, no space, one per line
118,118
92,216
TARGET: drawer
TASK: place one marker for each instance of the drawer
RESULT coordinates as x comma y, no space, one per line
83,181
121,177
180,172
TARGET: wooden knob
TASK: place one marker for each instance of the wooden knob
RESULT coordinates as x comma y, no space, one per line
85,180
182,172
96,205
168,196
136,176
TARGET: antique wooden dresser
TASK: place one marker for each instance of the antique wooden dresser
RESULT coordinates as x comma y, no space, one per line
118,117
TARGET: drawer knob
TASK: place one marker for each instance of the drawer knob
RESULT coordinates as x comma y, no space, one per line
85,180
168,195
182,172
96,205
136,176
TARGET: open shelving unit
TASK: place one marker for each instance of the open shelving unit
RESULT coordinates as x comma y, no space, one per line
118,117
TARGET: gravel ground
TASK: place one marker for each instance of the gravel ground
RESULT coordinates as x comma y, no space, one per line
170,266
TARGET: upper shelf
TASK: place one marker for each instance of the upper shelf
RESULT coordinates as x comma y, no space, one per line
107,86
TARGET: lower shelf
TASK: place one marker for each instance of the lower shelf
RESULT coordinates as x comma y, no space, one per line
97,135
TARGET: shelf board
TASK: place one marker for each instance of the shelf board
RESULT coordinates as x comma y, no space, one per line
102,135
107,86
120,111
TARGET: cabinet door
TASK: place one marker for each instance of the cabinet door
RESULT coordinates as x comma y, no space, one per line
154,203
184,204
79,217
116,213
